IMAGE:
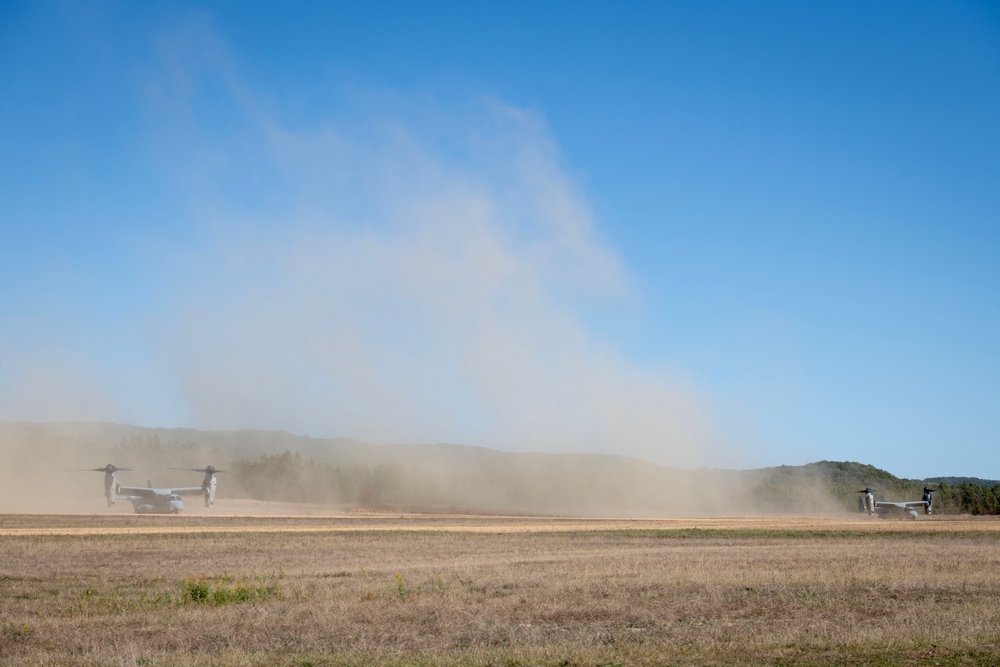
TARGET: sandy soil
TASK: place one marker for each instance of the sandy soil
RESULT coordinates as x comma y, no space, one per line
291,519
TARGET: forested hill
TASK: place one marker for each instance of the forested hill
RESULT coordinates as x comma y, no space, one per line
843,480
278,466
955,481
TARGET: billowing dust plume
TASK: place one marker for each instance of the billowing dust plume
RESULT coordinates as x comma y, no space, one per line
52,471
395,273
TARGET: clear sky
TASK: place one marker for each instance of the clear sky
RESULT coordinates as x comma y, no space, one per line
702,233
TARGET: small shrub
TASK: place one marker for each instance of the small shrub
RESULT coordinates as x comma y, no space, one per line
226,589
401,589
197,589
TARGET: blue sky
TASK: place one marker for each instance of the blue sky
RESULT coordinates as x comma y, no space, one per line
725,234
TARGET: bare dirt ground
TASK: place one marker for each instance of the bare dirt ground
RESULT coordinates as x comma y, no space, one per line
290,518
335,587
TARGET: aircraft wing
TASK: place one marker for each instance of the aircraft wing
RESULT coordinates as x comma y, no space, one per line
188,490
146,492
912,503
140,491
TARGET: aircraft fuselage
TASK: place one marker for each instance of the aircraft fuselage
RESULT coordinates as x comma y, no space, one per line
894,512
167,503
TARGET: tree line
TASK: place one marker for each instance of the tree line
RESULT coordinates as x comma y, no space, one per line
290,477
967,498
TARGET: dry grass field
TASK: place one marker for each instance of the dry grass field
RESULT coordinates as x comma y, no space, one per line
119,589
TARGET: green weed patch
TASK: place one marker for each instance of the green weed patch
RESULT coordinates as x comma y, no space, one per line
220,589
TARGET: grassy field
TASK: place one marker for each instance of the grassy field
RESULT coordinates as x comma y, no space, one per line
118,589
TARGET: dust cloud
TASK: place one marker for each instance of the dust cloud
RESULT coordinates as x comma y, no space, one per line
39,472
396,273
51,467
418,276
279,473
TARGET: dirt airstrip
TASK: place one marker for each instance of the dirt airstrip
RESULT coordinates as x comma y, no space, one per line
122,523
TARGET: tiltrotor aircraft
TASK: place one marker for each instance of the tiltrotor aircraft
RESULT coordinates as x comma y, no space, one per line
149,500
900,510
